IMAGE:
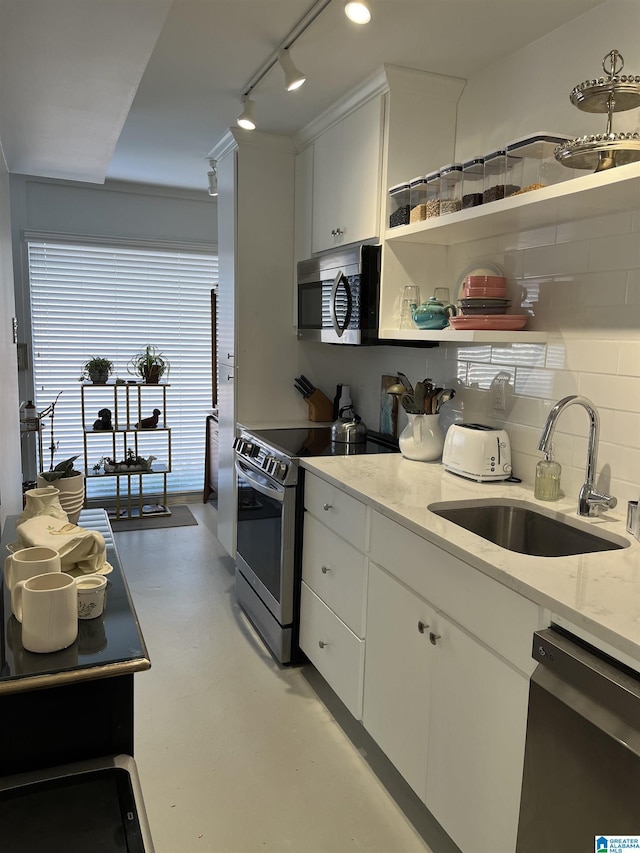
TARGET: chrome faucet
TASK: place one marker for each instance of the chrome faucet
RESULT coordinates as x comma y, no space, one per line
589,498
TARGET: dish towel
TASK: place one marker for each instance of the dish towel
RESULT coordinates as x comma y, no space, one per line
81,551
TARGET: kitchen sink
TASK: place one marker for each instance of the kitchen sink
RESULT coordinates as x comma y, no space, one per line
518,526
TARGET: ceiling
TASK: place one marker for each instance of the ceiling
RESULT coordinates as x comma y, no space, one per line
141,90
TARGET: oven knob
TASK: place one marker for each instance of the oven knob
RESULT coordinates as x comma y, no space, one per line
254,450
265,463
236,443
280,470
271,463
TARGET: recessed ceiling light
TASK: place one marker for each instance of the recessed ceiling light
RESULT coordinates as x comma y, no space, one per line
358,11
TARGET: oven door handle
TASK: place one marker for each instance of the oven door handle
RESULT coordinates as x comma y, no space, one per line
248,474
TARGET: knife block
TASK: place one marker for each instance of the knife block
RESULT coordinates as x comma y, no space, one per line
320,407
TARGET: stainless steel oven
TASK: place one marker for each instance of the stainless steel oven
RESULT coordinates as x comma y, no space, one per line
270,506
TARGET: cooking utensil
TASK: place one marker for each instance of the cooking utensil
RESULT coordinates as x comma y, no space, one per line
445,395
405,381
300,389
397,389
419,395
409,404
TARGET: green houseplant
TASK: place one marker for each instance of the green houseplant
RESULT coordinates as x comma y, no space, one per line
97,370
149,364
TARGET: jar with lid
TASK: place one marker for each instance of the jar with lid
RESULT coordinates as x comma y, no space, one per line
433,194
399,201
418,202
536,164
495,176
450,188
472,182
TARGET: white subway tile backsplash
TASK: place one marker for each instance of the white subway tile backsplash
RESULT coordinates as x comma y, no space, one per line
527,239
614,392
633,287
597,226
619,427
629,358
556,356
556,260
545,384
581,355
613,319
617,252
519,354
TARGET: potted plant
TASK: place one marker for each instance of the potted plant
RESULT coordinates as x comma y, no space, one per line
97,370
149,364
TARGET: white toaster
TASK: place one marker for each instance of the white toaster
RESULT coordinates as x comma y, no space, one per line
477,452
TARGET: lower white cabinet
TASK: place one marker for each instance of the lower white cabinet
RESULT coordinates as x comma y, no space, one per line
398,673
333,648
477,723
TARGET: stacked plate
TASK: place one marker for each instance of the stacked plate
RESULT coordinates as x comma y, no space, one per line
483,305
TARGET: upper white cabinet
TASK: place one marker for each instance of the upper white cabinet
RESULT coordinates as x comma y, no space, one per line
347,160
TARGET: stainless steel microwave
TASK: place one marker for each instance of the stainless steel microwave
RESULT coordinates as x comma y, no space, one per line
339,296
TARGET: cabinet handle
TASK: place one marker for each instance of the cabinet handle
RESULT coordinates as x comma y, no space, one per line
422,626
327,507
433,638
229,378
230,355
324,569
322,644
336,232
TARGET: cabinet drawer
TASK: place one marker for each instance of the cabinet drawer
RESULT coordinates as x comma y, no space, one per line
492,612
336,652
336,572
343,514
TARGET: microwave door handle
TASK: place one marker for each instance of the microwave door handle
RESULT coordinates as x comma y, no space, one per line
339,330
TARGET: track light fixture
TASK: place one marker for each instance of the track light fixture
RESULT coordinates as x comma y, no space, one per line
293,78
358,11
212,175
246,118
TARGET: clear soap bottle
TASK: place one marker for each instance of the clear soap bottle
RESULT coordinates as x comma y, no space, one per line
547,483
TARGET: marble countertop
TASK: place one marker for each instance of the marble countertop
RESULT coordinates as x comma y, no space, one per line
598,593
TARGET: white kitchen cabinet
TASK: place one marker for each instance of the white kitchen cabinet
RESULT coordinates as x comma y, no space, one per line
333,648
347,163
334,583
446,683
397,684
256,341
477,728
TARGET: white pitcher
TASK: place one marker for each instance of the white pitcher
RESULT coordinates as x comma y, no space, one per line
422,439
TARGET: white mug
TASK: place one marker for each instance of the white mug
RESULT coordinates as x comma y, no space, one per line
28,562
91,592
47,606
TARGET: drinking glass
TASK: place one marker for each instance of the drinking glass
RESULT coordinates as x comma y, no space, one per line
410,296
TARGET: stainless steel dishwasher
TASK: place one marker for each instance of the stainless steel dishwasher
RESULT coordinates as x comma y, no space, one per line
581,778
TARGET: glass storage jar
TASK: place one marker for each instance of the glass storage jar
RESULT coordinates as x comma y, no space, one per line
433,194
450,188
399,200
536,165
472,182
418,199
495,177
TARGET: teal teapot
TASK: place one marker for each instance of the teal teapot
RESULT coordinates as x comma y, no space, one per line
432,314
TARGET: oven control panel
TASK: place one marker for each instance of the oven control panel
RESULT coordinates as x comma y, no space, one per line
275,465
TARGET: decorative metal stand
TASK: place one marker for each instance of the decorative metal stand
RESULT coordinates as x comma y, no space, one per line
615,93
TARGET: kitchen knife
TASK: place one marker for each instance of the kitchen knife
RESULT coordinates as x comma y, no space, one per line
298,387
308,386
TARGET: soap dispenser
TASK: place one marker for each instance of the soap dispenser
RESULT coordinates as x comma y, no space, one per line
547,483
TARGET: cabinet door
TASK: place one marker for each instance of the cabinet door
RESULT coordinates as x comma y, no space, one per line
346,178
397,675
476,742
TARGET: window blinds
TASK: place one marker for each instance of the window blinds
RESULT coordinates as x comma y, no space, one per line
96,300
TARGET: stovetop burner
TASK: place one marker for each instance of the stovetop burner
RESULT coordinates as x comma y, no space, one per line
316,441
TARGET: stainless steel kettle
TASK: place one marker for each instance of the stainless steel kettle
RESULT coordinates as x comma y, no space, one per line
349,428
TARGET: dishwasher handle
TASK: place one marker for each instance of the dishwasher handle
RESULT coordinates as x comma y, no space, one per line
590,672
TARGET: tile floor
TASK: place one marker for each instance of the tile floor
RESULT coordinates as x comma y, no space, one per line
235,753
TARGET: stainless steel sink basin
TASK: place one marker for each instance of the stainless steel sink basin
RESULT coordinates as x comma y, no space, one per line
519,527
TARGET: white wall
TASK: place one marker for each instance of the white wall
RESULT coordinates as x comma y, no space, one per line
10,469
581,280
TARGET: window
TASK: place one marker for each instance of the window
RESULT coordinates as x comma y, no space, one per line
97,300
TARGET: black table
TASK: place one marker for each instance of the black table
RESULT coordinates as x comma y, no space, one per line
77,703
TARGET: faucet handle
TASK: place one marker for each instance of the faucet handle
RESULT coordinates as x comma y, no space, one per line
590,498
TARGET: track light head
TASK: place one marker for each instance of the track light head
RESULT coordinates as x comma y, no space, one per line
293,78
246,118
358,11
212,175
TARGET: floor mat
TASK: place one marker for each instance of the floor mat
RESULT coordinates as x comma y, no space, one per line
181,516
